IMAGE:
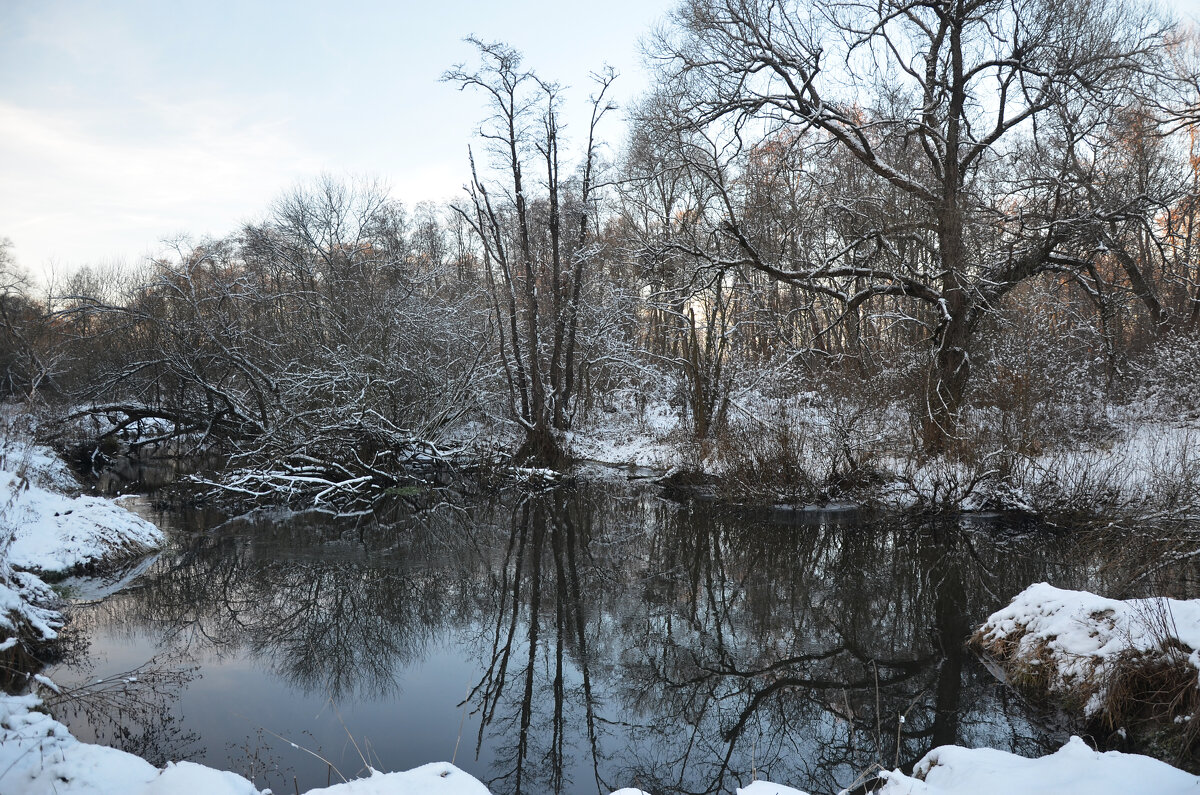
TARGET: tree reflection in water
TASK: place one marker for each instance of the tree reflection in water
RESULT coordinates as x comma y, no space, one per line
303,601
619,639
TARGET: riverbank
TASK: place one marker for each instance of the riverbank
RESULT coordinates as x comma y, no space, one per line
1126,668
1129,466
39,755
48,531
1093,462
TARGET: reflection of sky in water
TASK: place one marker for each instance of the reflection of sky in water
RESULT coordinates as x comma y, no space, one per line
235,695
713,648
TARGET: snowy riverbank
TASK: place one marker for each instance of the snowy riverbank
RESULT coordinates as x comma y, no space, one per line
38,755
49,530
1128,463
54,530
1126,666
1074,768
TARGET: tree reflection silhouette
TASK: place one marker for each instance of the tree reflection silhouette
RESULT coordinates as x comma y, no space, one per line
332,624
539,585
620,639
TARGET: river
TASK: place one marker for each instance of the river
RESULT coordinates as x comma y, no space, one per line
576,640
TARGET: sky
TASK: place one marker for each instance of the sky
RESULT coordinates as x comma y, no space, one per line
124,124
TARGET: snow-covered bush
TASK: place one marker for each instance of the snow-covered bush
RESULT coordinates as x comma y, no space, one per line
807,448
1040,372
1164,382
1130,664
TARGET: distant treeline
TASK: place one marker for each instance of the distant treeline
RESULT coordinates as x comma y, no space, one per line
946,205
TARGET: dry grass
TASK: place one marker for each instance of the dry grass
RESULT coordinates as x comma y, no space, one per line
1150,697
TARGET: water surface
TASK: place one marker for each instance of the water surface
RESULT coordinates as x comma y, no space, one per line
577,641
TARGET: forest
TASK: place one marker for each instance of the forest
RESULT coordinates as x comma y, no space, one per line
941,254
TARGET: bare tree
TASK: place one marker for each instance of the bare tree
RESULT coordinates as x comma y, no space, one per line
535,249
968,119
315,349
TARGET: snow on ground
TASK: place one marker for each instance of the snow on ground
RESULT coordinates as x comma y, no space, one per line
436,778
53,529
767,788
26,606
39,755
1141,462
632,430
45,528
1073,638
753,788
1074,768
39,464
54,533
1149,466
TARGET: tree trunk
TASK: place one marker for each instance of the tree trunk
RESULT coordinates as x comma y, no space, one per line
947,384
541,448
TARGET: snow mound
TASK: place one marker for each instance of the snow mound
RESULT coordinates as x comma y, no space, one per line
753,788
38,754
55,533
1069,643
952,770
767,788
26,607
436,778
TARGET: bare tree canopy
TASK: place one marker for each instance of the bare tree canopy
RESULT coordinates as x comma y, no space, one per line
951,145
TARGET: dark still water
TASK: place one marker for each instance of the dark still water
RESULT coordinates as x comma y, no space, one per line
574,641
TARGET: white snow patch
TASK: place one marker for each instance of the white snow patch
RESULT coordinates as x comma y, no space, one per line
26,601
436,778
1082,634
952,770
55,533
633,429
38,754
38,464
767,788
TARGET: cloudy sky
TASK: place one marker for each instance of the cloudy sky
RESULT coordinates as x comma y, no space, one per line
124,123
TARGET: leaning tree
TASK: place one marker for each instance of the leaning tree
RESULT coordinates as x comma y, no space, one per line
972,123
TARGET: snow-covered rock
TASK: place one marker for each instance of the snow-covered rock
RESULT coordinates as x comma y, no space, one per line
1068,642
952,770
